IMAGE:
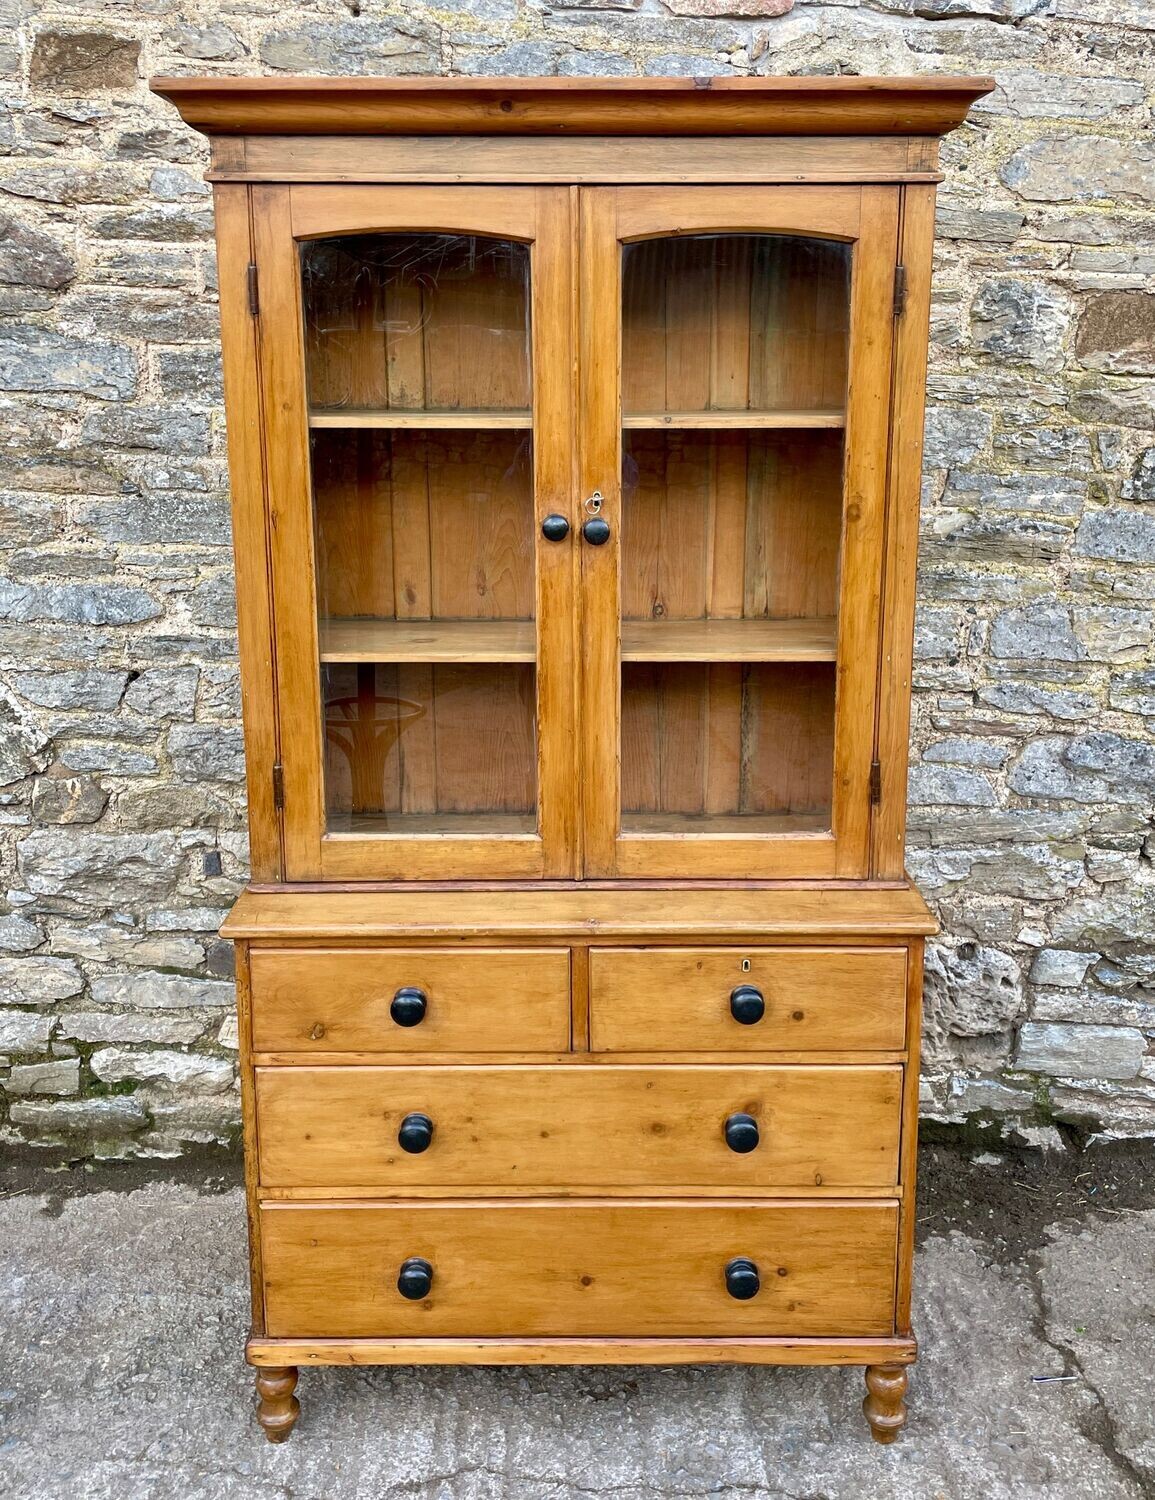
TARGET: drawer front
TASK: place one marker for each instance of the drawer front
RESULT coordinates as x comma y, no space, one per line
341,1000
773,1129
814,999
588,1269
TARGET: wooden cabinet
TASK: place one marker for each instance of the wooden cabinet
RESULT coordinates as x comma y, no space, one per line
575,435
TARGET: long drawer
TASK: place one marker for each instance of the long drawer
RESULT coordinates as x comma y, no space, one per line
579,1269
747,1000
475,1000
773,1128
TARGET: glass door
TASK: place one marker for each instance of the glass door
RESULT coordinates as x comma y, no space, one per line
736,465
417,355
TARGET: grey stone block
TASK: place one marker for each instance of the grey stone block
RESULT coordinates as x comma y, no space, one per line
214,43
106,867
42,359
80,604
59,1078
1082,168
934,785
1141,485
181,1069
379,48
90,1118
84,687
29,257
1066,1051
1120,535
1041,631
207,752
1021,321
1063,968
38,980
98,1026
23,1031
149,991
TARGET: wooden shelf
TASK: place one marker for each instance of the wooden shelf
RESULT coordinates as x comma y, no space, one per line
515,640
755,825
729,640
734,420
435,825
430,421
428,640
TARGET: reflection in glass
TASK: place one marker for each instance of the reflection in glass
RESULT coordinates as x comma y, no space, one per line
417,351
734,371
433,322
417,748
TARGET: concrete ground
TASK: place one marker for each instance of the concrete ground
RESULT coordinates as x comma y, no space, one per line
124,1307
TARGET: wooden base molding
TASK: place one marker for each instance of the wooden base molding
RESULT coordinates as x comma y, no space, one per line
568,1351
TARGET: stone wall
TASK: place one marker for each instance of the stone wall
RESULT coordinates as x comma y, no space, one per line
120,749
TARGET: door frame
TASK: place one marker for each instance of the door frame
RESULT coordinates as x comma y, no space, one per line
540,217
866,217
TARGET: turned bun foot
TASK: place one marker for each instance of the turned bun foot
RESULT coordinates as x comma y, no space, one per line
277,1407
884,1405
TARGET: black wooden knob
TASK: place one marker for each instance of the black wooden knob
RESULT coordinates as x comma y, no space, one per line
416,1132
555,528
415,1278
741,1132
408,1008
596,531
747,1004
742,1280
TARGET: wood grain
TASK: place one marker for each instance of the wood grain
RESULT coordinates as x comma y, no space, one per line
574,106
625,1269
884,1405
903,502
657,1129
863,525
782,912
277,1407
728,640
574,1351
908,1165
488,1000
729,421
251,545
678,999
588,159
428,640
291,532
435,421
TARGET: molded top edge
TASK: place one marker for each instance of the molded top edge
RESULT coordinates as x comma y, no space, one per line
927,106
818,911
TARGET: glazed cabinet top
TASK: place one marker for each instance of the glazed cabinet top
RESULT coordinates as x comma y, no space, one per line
575,480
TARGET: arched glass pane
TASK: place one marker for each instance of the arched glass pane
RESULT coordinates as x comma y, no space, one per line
734,374
417,351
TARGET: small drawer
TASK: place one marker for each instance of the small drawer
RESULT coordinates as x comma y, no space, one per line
557,1269
410,1000
747,999
773,1130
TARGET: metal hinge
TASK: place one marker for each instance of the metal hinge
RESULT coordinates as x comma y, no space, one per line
278,786
899,291
875,783
254,292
